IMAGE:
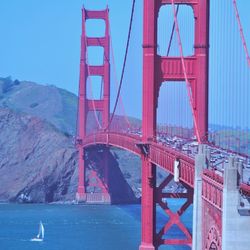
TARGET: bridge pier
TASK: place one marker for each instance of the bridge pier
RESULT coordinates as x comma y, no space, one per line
148,214
200,162
96,181
81,192
98,198
235,227
82,196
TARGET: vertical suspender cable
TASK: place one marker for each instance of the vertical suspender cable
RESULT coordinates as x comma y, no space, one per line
227,77
217,81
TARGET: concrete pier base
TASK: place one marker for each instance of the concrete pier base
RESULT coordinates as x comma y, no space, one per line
98,198
93,198
81,197
200,164
235,227
145,246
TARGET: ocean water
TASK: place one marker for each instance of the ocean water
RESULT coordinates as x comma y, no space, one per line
74,227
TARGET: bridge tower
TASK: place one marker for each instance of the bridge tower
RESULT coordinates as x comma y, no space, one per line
157,69
86,105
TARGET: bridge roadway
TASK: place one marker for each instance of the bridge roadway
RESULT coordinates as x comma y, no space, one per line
164,156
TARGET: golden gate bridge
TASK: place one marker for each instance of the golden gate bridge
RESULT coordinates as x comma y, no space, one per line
210,163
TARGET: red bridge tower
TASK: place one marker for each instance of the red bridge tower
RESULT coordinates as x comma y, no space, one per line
86,105
157,69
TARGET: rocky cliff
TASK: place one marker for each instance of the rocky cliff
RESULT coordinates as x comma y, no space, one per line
38,163
37,160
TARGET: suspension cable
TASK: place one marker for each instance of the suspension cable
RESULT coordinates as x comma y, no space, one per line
172,32
185,72
241,31
115,77
124,64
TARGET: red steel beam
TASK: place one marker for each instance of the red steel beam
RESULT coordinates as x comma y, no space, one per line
95,105
96,14
188,2
96,41
171,68
95,70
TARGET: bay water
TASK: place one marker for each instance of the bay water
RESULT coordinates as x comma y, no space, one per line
77,227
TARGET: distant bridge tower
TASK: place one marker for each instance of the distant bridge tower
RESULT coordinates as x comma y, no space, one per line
156,70
85,105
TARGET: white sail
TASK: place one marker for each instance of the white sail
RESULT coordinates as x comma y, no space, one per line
42,230
40,234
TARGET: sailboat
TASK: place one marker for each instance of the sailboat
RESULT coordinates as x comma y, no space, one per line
40,235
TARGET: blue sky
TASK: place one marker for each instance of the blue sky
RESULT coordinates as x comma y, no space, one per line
40,42
40,39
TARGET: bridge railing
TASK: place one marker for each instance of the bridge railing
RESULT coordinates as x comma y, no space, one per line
212,188
165,157
124,141
245,189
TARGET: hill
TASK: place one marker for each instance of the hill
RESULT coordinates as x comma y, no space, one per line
55,105
47,102
38,159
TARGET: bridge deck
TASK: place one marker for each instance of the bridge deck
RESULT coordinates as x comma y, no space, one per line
159,154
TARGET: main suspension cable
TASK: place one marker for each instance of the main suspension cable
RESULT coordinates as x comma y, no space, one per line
123,67
116,79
